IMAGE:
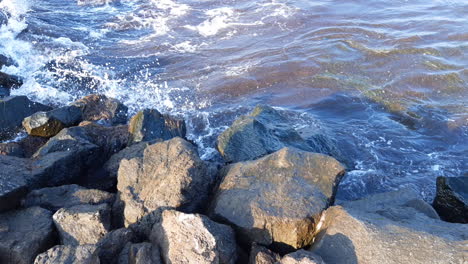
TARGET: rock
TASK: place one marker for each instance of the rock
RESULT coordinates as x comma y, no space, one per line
82,224
169,175
14,177
84,254
262,255
10,81
54,198
193,238
98,107
13,110
451,201
262,132
48,124
24,234
149,124
142,253
13,149
112,244
302,257
384,228
4,60
278,200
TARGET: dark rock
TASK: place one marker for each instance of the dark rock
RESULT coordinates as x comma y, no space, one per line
82,224
149,124
169,175
193,238
262,255
451,201
84,254
24,234
301,257
98,107
278,200
13,149
48,124
4,60
14,177
24,148
10,81
66,196
112,244
385,228
4,92
13,110
141,253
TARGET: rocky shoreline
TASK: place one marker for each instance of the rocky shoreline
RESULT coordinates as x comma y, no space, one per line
87,186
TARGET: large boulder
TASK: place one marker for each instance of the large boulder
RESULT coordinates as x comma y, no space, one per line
149,124
169,175
48,124
278,200
98,107
24,234
265,131
389,228
141,253
193,238
110,246
82,224
83,254
451,201
14,175
54,198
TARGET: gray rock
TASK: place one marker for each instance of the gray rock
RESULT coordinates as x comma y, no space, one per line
98,107
48,124
14,185
54,198
24,234
82,224
149,124
169,175
384,228
278,200
451,201
262,255
84,254
24,148
193,238
301,257
112,244
141,253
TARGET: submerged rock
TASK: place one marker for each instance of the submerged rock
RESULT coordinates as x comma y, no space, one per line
83,254
451,201
98,107
48,124
141,253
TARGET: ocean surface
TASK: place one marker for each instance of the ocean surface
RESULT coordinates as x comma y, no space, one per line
387,81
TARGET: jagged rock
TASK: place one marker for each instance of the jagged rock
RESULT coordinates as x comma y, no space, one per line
278,200
451,201
112,244
48,124
386,228
24,148
141,253
98,107
262,255
82,224
10,81
14,177
24,234
301,257
193,238
13,110
54,198
265,131
169,175
149,124
83,254
13,149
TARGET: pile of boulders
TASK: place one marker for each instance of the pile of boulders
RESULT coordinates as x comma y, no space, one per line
87,186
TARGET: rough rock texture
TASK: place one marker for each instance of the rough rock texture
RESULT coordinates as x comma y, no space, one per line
84,254
13,149
451,201
302,257
149,124
262,255
10,81
24,148
278,199
169,175
54,198
112,244
13,110
24,234
82,224
265,131
387,228
48,124
193,238
98,107
14,177
141,253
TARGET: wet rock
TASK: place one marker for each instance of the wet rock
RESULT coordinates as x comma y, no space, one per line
24,234
193,238
10,81
48,124
278,200
13,149
262,255
149,124
451,201
141,253
262,132
384,228
169,175
54,198
13,110
97,107
301,257
14,175
112,244
24,148
4,60
82,224
84,254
